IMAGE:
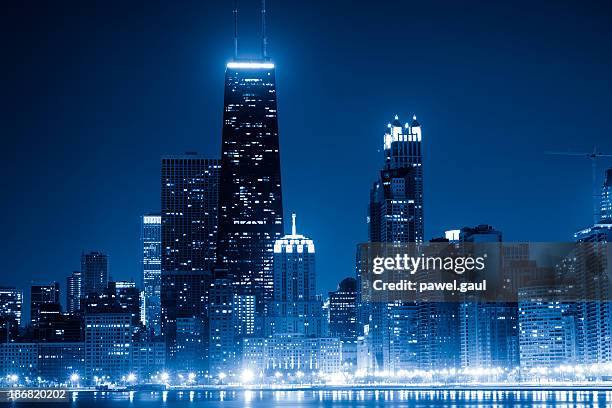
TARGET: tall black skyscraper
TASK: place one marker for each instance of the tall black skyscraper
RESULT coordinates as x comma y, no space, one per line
94,273
189,199
250,199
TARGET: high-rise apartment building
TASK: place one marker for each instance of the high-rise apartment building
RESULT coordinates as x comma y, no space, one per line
150,237
189,202
73,292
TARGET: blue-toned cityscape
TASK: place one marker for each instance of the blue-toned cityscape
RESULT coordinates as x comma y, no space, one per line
228,295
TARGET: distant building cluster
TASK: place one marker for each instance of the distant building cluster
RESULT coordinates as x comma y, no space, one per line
227,296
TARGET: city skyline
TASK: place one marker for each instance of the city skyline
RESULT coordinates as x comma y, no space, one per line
104,227
447,286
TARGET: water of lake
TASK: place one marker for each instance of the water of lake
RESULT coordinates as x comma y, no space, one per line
333,399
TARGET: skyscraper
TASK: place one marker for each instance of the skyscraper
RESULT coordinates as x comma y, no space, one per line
488,330
189,195
342,310
295,307
250,199
606,199
73,292
593,267
189,199
94,273
150,237
11,300
395,216
41,295
396,198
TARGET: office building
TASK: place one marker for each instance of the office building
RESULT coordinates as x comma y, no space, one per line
108,345
94,273
292,353
11,300
395,216
189,200
73,292
295,307
250,198
343,310
150,237
547,328
43,294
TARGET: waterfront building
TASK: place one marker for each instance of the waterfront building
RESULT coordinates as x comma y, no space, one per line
224,346
147,359
593,268
488,330
547,328
292,353
108,345
191,342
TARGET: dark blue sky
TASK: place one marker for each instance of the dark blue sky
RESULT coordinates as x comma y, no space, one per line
93,93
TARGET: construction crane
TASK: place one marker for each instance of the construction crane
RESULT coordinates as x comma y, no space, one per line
593,156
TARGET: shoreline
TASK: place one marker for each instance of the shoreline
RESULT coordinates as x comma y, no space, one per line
365,388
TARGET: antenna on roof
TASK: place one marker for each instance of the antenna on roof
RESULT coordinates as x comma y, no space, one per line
264,39
235,29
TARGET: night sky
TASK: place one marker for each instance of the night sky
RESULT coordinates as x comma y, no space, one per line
93,93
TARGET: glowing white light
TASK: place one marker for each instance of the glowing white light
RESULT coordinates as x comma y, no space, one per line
191,376
131,377
247,376
74,377
251,65
164,376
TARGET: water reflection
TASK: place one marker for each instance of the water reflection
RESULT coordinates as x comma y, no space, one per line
345,398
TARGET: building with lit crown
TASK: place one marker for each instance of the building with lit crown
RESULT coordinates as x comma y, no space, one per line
150,237
250,198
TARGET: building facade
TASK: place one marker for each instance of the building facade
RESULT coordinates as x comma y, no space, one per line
250,198
189,218
94,273
40,295
73,292
150,237
295,307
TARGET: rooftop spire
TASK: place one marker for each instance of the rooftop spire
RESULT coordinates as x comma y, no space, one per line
264,38
293,229
235,29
